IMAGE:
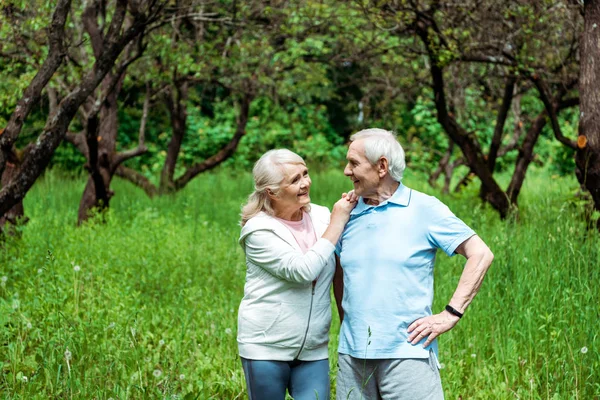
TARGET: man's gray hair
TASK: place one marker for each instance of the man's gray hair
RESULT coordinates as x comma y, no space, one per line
381,143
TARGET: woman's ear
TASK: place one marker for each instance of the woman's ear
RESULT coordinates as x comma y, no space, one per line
270,194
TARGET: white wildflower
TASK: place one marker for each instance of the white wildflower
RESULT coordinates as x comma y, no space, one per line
157,373
584,350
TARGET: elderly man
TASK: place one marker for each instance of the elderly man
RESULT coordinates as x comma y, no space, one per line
388,346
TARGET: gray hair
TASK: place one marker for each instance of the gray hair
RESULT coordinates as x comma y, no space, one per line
268,173
381,143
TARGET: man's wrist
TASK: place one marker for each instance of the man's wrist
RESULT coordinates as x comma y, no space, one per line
454,311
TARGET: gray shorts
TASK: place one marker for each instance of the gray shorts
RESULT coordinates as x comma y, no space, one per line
372,379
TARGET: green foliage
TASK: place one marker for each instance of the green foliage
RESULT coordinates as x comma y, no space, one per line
304,129
144,306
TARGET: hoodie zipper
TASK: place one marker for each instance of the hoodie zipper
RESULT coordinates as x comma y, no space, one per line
312,296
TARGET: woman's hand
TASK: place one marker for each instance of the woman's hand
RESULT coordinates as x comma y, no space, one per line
340,216
342,208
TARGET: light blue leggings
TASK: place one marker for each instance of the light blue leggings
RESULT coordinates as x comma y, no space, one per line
305,380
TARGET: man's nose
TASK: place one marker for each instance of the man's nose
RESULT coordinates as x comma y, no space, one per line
347,170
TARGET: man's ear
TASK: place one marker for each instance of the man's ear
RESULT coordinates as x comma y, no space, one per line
383,167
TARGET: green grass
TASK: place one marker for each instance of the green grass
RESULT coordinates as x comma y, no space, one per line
151,311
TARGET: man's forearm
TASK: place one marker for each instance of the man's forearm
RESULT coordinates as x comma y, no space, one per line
338,287
479,259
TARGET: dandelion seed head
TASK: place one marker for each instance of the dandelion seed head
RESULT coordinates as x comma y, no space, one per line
29,326
181,377
584,350
77,268
15,304
4,279
442,366
111,325
25,379
157,373
161,342
228,331
209,313
68,354
40,271
473,355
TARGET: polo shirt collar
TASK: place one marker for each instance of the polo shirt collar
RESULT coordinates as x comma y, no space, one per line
401,197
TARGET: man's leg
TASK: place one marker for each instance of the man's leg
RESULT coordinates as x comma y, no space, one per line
410,378
356,379
309,380
266,380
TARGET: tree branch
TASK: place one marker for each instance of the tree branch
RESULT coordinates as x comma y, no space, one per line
225,152
32,94
551,109
141,147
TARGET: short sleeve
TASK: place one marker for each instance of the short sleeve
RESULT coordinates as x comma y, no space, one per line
446,231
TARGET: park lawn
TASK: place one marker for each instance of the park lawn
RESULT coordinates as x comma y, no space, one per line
145,304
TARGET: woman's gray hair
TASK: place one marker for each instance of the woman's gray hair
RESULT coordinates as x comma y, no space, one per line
381,143
268,173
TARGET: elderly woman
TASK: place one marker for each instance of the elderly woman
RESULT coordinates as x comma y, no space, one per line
284,317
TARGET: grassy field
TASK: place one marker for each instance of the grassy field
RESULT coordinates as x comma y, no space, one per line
145,305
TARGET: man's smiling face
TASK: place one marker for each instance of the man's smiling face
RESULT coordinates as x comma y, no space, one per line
359,169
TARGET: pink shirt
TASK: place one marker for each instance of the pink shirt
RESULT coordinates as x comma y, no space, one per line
303,231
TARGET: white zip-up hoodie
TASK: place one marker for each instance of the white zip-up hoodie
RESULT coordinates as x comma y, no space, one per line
282,316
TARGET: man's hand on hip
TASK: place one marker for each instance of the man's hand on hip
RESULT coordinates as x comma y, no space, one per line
431,327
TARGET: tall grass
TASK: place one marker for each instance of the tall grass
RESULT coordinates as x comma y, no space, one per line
144,305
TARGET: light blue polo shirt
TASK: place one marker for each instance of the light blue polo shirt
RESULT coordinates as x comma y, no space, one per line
387,253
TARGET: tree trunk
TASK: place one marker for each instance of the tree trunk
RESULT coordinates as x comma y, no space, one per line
587,158
467,142
176,102
101,140
15,215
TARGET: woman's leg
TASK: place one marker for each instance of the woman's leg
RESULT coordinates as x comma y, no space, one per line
309,380
266,380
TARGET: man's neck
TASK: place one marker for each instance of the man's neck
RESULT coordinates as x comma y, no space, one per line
384,192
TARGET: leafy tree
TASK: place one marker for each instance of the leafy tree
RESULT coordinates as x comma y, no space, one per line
497,47
127,21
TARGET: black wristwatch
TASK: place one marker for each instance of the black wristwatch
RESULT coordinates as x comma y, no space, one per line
453,311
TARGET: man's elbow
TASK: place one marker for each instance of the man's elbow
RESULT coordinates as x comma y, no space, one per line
488,256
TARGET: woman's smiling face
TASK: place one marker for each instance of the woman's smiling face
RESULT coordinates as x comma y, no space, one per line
294,191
